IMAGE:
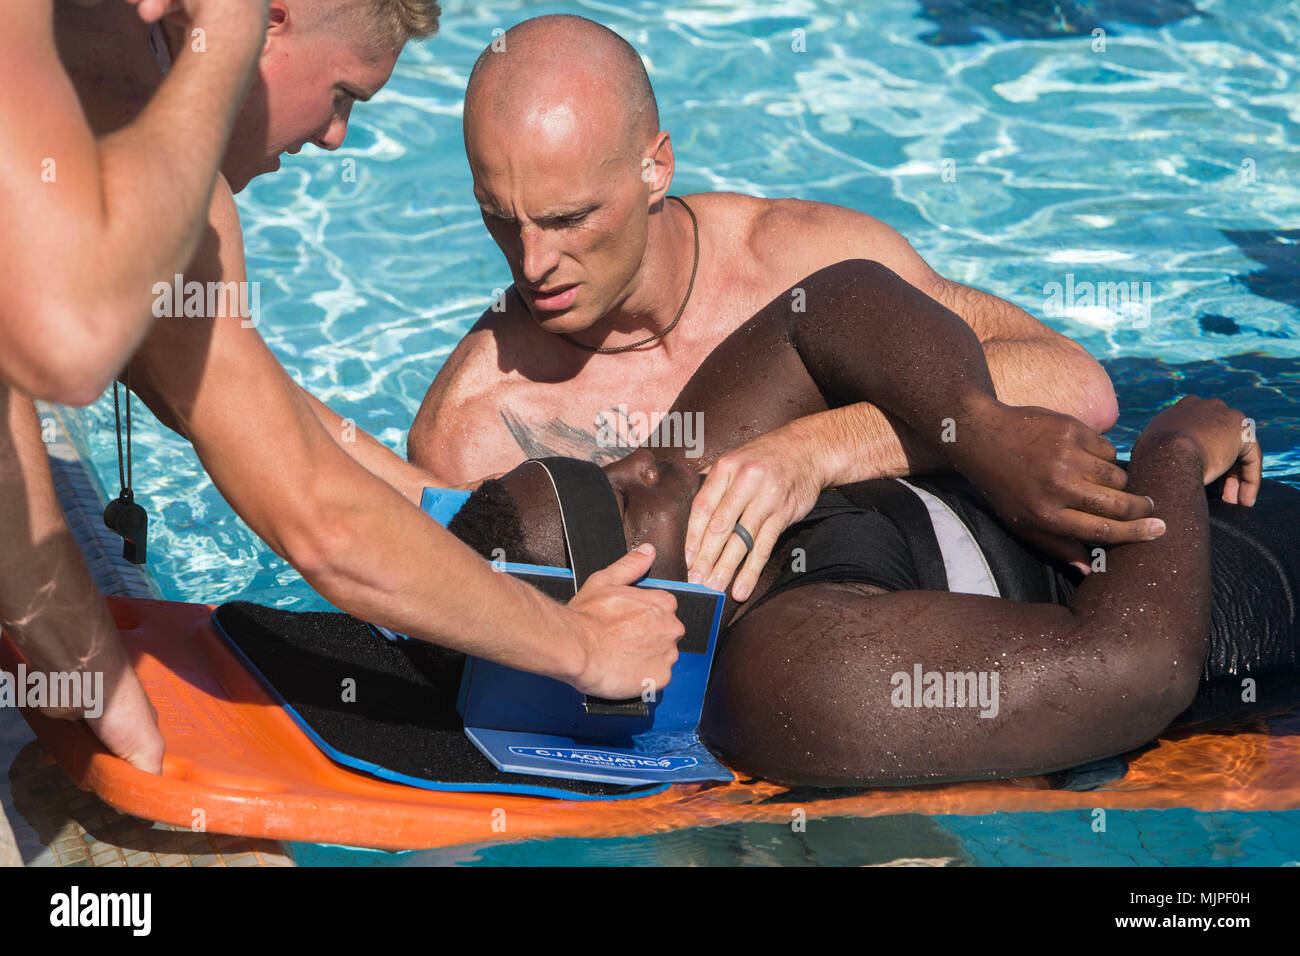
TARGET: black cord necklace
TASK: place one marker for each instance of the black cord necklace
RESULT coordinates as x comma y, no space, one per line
695,229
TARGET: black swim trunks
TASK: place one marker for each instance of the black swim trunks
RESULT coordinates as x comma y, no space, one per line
937,533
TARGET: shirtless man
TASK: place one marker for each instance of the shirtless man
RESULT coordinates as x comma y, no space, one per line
573,174
356,540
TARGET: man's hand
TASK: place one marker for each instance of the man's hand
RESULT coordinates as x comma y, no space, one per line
1225,439
49,606
766,485
82,638
128,727
1051,478
628,634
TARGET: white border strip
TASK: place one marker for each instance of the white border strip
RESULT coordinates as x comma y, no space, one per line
968,571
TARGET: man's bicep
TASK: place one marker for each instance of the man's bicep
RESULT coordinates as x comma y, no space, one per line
41,108
50,199
988,316
992,318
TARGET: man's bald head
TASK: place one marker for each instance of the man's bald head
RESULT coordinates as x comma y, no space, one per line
565,64
569,164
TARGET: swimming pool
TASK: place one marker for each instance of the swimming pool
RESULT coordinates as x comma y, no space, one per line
1002,145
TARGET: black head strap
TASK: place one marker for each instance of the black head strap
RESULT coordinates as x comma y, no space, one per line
593,535
593,526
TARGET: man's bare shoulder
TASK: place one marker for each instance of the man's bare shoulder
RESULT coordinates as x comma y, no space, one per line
806,220
729,214
468,370
777,227
466,388
806,235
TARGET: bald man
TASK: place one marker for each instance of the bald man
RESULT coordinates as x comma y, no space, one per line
621,291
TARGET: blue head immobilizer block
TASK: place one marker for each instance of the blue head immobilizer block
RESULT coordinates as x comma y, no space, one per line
525,723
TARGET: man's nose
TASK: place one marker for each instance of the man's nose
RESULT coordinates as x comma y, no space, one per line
539,255
333,135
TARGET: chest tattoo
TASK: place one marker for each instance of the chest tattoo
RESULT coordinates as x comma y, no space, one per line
600,443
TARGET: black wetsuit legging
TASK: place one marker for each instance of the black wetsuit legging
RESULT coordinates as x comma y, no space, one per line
880,533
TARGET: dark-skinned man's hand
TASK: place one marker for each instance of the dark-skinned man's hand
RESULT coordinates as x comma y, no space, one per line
1051,478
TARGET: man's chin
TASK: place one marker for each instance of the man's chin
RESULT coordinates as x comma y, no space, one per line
571,321
237,179
241,174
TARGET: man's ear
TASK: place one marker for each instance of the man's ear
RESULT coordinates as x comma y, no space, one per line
278,17
657,167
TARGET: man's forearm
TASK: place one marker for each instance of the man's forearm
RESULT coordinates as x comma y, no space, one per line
921,366
352,536
369,551
48,603
860,442
362,447
863,442
1153,601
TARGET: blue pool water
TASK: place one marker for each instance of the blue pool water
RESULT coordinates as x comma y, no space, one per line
1067,838
1170,159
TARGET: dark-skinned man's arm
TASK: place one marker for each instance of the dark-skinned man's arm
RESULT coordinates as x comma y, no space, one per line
1100,677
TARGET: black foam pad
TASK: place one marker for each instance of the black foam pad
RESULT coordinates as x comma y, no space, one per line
404,715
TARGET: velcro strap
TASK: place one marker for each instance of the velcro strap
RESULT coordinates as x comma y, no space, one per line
593,535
